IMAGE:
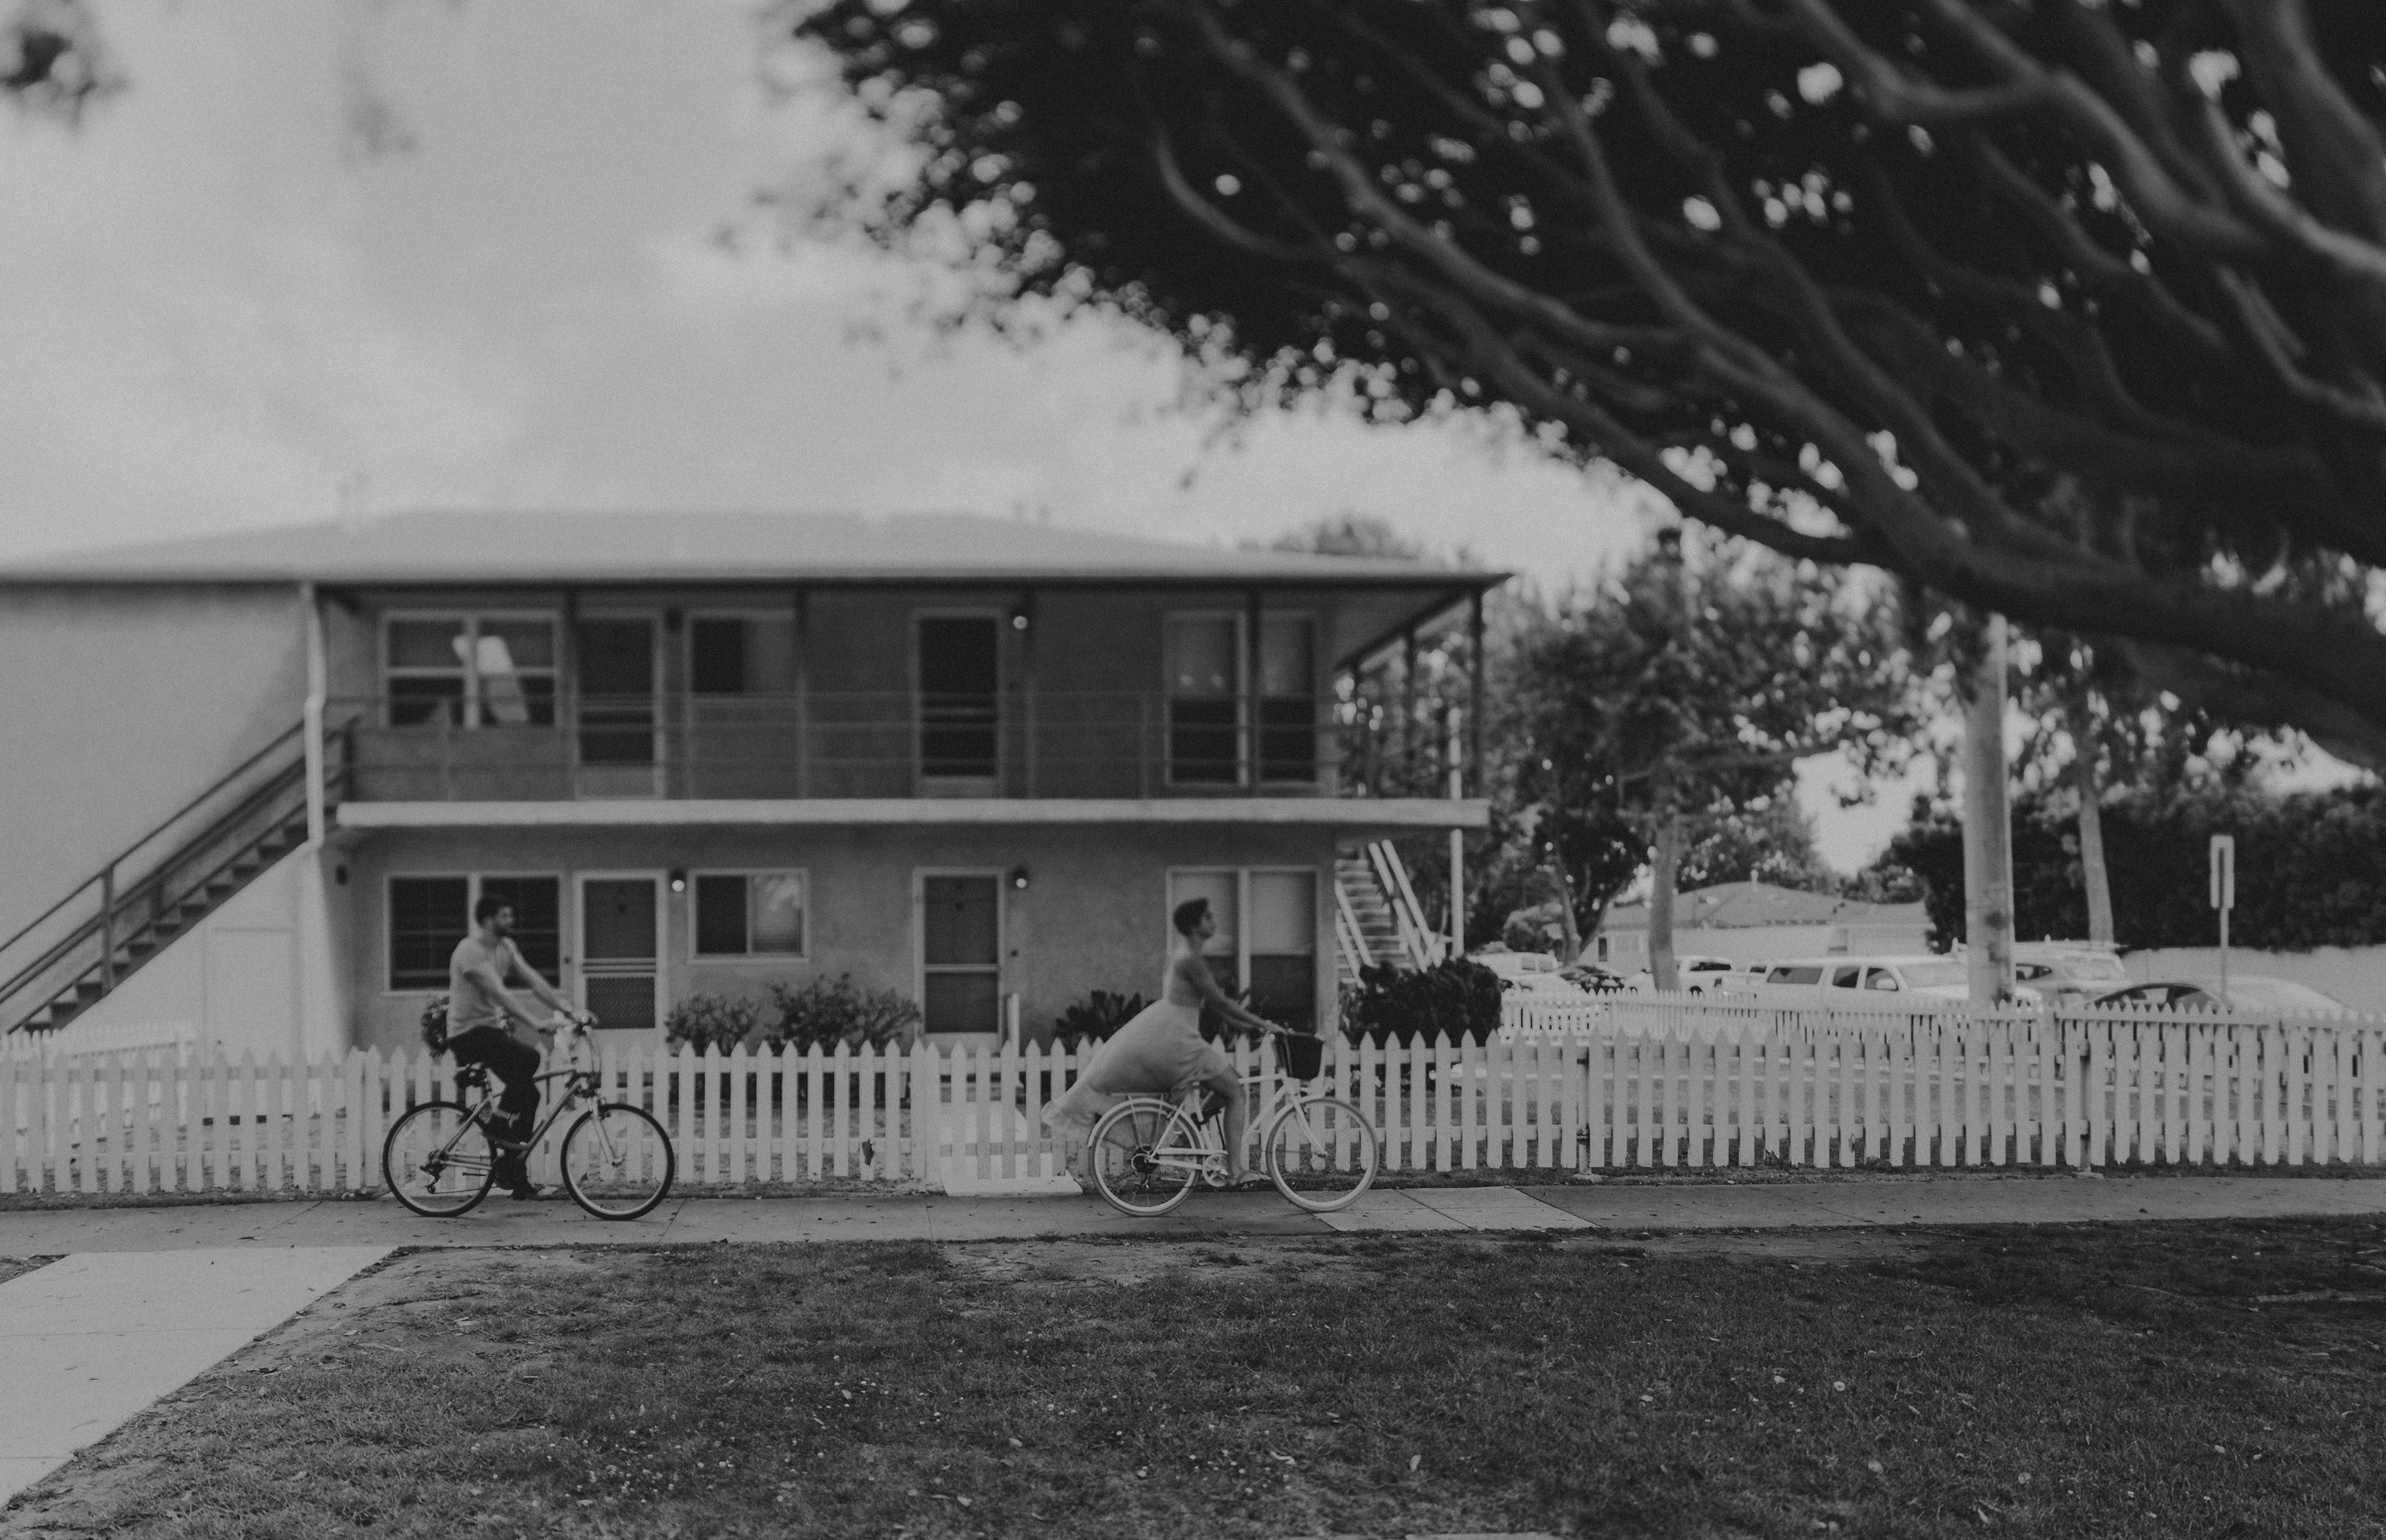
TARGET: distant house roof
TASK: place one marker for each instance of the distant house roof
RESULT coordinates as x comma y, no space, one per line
509,547
1736,905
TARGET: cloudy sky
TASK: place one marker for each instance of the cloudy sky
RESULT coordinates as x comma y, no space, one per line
463,252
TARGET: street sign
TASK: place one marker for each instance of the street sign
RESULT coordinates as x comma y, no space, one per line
2224,898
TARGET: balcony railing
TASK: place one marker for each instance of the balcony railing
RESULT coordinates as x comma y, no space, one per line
872,745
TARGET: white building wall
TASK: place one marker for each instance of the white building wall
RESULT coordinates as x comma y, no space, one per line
259,976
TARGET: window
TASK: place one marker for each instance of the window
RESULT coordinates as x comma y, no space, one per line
749,913
1881,978
1207,679
470,671
959,670
428,915
1796,975
1845,977
961,953
1287,698
1204,671
1266,941
741,655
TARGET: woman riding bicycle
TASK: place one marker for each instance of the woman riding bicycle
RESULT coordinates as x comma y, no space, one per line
1161,1051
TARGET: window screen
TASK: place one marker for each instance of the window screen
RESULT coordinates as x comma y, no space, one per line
428,915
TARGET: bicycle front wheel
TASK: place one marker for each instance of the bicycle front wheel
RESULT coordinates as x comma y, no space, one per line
1142,1157
438,1159
1321,1153
617,1161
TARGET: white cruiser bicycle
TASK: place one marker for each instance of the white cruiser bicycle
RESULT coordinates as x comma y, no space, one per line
1145,1153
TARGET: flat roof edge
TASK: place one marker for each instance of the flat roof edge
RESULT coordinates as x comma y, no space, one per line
1339,813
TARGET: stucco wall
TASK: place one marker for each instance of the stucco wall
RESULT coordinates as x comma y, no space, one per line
236,980
1767,943
120,705
1092,916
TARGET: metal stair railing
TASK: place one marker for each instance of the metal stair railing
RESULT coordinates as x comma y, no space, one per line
1423,945
77,948
1349,932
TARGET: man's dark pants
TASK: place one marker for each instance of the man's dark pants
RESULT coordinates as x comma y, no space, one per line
514,1063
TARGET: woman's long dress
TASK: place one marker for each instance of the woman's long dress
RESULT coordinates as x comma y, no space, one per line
1158,1053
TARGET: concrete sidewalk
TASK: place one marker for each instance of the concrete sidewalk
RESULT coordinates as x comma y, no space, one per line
88,1342
1607,1206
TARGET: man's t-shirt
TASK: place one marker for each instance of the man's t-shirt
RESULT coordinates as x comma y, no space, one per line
469,1003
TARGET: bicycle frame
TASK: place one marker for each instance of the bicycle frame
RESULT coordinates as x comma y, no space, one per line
1203,1146
581,1086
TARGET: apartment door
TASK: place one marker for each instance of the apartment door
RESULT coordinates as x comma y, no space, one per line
620,951
618,717
960,683
960,955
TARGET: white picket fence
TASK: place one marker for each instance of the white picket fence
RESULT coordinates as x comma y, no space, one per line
1645,1083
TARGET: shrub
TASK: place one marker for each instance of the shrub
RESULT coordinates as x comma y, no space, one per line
1453,1000
1094,1018
703,1021
829,1011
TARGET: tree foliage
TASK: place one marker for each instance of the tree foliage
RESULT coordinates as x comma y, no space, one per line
2071,310
51,58
2312,868
1688,684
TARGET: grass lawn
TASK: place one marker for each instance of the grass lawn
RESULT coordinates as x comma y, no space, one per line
2154,1380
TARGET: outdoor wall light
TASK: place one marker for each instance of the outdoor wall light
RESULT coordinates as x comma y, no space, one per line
1019,878
679,881
1018,620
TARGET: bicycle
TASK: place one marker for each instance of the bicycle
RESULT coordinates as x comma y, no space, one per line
617,1161
1319,1150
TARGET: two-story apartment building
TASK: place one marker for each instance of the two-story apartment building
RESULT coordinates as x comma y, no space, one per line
253,783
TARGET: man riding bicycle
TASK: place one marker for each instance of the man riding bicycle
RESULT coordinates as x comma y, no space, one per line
480,1010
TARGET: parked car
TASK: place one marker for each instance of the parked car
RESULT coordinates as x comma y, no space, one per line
1529,972
2249,993
2069,972
1592,976
1928,981
1696,972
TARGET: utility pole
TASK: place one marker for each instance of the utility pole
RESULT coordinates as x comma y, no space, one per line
1987,828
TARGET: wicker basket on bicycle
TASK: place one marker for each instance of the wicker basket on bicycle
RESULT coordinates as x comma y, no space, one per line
1302,1055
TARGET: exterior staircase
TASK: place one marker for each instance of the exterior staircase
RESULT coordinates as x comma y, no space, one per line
1377,918
103,931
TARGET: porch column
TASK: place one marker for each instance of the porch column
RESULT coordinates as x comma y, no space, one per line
312,715
1023,621
1474,691
567,691
1407,711
1251,687
803,692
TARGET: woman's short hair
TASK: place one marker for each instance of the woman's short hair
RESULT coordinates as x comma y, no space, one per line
1188,915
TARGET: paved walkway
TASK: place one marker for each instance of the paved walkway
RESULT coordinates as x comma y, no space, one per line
90,1340
1608,1206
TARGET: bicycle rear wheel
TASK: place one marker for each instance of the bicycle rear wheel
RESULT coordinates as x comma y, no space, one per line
1141,1158
617,1161
1321,1153
438,1159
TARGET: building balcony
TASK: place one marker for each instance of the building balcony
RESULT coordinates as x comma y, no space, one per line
850,747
